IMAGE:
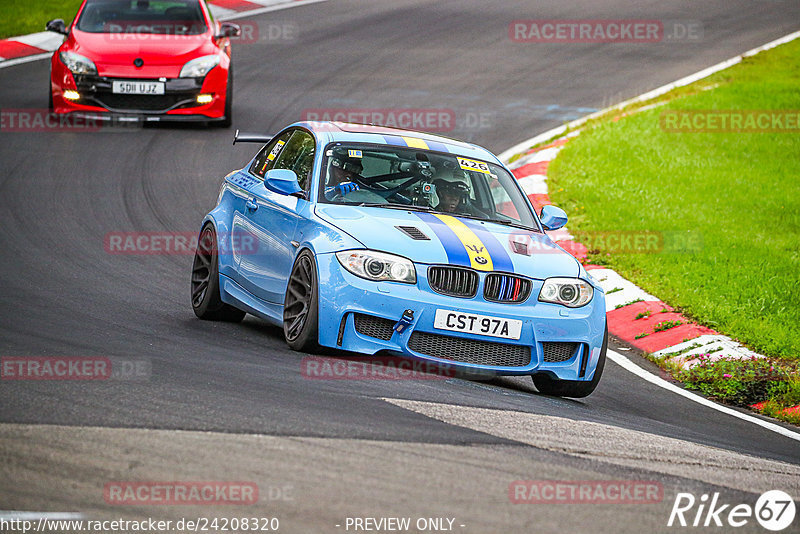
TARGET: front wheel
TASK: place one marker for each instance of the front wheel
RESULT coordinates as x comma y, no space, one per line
573,388
206,301
301,305
228,120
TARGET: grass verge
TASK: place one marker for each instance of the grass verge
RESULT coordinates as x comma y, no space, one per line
22,18
726,205
743,382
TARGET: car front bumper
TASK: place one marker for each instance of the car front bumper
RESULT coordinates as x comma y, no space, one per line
178,103
358,315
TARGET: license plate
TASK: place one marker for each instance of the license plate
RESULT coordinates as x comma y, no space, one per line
483,325
138,88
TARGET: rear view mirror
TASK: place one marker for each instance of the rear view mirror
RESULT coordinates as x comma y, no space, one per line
228,29
552,217
57,25
283,181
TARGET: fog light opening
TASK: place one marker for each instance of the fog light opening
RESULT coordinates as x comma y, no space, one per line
205,98
71,95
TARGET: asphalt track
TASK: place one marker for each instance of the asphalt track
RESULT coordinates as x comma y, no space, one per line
64,295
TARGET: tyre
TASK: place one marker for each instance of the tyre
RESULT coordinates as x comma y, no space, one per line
50,105
228,120
206,301
573,388
301,305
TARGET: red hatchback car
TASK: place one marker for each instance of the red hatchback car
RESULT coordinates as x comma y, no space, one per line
144,60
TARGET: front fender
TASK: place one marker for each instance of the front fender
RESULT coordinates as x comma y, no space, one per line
321,237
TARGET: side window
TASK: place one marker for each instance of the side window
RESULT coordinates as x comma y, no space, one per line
298,156
269,154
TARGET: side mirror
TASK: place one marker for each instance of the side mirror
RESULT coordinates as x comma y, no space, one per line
58,26
228,29
552,217
283,181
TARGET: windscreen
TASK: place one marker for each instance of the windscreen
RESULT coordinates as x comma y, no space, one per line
171,17
395,177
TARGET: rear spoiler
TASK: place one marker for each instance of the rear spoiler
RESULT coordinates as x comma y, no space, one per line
250,138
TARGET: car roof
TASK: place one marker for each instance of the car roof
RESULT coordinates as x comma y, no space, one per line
349,132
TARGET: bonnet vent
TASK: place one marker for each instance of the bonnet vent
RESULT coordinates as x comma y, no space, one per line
413,232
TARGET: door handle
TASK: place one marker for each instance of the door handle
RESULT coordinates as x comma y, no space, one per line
251,205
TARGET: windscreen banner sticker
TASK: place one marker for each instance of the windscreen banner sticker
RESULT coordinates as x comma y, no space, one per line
473,165
413,142
276,150
354,153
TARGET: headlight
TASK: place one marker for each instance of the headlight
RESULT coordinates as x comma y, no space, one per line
570,292
378,266
77,64
199,67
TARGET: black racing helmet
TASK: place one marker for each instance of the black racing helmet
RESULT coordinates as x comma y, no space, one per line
454,183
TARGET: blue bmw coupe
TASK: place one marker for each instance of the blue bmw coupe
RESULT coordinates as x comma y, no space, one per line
383,241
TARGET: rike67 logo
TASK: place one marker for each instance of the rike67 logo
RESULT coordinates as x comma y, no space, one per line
774,510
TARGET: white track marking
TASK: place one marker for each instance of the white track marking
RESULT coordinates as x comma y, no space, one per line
628,365
718,347
287,5
26,59
221,13
610,280
267,3
708,341
546,154
48,41
524,145
535,184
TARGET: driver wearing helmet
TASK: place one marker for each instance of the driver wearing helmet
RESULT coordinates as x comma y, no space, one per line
343,173
453,191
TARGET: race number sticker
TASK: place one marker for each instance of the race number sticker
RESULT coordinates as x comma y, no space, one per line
276,150
354,153
473,165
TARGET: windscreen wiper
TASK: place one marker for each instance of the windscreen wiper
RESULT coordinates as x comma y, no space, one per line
464,215
512,224
394,206
484,219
